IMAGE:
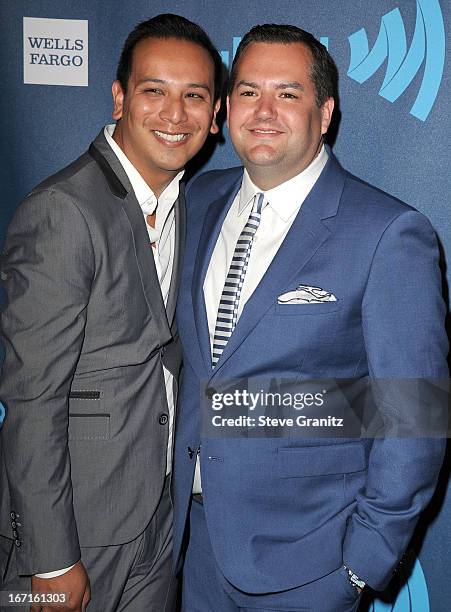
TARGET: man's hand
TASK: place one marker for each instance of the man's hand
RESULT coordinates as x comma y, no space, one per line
74,584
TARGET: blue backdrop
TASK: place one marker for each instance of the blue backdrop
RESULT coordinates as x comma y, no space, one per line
395,88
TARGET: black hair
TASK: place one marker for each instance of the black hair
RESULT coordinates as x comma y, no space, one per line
168,25
323,72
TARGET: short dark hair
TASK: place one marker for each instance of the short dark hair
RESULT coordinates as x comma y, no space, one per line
168,25
323,73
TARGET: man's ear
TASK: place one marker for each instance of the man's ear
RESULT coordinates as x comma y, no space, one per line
118,100
214,129
327,110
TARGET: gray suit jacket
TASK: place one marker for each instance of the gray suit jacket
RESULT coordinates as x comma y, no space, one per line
83,446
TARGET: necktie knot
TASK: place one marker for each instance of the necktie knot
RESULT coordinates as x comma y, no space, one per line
258,203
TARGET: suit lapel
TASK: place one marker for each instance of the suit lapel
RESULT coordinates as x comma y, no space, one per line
121,188
213,221
305,237
180,230
146,264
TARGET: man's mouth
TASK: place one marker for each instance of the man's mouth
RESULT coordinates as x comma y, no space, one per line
170,138
262,132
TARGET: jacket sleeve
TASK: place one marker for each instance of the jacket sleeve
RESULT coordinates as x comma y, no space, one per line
47,268
403,320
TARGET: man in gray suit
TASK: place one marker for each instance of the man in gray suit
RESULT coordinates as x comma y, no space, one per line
91,268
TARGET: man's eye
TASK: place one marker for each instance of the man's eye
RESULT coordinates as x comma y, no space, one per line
194,94
247,92
287,94
153,90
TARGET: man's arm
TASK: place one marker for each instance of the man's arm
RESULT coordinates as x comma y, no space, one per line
403,319
47,267
74,585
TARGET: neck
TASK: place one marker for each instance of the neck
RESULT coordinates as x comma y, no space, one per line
157,179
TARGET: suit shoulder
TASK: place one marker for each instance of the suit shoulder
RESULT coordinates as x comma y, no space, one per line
60,179
214,183
370,211
81,185
59,196
372,199
373,210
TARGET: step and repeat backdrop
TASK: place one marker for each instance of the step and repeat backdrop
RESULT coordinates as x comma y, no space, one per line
393,130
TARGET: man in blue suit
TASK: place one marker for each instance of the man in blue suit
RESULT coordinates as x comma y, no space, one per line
297,270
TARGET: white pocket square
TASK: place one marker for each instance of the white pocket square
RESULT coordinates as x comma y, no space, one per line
305,294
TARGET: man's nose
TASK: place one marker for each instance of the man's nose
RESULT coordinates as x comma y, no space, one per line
173,110
265,109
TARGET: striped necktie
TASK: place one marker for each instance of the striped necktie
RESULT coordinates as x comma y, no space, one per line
230,297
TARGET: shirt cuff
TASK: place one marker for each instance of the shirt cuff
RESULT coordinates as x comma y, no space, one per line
55,573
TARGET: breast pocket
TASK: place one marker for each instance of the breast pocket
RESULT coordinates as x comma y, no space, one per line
313,308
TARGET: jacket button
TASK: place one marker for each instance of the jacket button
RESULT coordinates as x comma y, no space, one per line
15,534
18,543
13,516
163,419
209,392
13,524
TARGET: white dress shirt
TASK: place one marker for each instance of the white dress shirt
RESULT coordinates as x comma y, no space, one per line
280,207
163,235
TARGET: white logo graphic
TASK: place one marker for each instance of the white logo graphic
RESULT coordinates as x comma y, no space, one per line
55,51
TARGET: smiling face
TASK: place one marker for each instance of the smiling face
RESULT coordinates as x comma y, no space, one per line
275,123
168,109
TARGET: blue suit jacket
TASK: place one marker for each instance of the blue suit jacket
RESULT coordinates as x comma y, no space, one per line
284,511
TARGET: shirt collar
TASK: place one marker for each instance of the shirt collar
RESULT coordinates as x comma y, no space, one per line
144,194
286,198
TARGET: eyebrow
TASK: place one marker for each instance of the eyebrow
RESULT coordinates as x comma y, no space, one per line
247,84
198,86
162,82
292,85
